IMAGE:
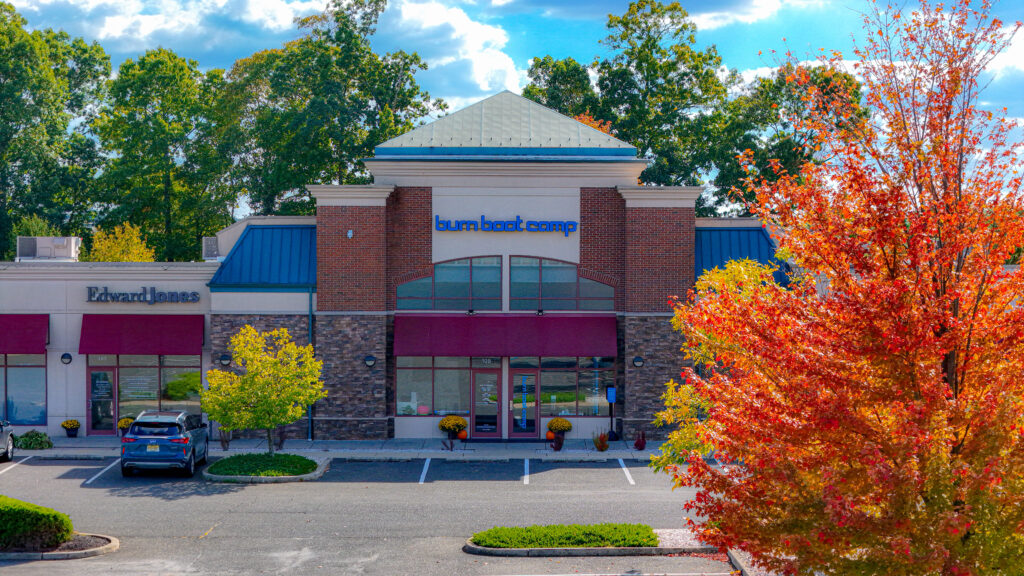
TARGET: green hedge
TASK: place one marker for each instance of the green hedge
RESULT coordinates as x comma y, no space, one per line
568,536
33,440
31,527
263,465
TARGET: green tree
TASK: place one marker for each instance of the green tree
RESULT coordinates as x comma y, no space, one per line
165,176
279,380
49,85
122,244
562,85
309,111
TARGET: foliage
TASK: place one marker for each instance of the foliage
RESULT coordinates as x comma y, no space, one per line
123,243
602,125
183,386
559,425
47,162
310,111
279,380
166,175
30,226
452,424
125,423
25,526
33,440
562,85
71,424
870,415
568,536
263,465
601,441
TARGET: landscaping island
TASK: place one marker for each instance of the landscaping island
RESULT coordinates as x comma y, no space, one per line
32,532
584,540
265,468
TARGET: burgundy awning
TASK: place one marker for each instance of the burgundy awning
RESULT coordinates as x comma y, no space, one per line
24,333
504,335
176,334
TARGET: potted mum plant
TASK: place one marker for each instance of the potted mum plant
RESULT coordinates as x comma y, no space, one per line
557,428
124,424
455,426
71,427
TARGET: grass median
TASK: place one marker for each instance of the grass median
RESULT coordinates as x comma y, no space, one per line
262,465
568,536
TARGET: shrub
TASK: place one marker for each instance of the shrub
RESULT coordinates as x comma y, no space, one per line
31,527
601,441
559,425
452,424
33,440
263,465
568,536
71,424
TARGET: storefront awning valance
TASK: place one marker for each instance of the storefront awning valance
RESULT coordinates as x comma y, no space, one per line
24,333
504,335
171,334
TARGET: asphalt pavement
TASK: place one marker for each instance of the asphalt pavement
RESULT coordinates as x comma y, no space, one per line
404,516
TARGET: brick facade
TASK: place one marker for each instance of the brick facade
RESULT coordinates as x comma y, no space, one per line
409,214
351,272
659,256
603,238
652,338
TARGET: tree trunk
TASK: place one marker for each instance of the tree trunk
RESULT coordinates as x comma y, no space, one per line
270,440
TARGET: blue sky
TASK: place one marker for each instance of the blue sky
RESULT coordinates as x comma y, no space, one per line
478,47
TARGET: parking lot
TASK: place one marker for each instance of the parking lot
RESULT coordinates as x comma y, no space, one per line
401,517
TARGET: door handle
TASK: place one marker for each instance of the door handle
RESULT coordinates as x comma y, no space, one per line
510,405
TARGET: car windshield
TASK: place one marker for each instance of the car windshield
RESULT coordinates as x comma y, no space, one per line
154,429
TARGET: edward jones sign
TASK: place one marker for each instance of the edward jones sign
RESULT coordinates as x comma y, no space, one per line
144,296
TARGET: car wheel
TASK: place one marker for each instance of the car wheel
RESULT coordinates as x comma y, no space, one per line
126,471
206,452
190,467
8,454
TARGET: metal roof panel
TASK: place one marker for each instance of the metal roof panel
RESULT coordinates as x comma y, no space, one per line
270,258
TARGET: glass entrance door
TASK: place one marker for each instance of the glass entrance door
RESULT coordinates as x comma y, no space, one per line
102,416
523,405
486,423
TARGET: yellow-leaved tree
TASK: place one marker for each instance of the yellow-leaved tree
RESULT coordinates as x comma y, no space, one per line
278,381
122,244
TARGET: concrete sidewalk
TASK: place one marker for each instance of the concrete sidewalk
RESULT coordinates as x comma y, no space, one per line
391,449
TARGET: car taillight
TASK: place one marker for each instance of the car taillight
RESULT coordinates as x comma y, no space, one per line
179,440
127,440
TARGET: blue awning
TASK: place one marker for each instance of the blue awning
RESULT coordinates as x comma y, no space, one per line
270,259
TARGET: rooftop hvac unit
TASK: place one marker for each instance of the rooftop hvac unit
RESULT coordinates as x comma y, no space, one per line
49,248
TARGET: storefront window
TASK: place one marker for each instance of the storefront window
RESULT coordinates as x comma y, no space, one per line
138,389
23,383
465,284
436,386
151,382
543,284
451,392
413,391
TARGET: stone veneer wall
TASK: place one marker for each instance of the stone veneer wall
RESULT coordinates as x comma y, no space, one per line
653,338
357,401
224,326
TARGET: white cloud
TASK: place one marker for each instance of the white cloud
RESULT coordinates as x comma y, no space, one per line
500,2
458,39
754,11
1011,59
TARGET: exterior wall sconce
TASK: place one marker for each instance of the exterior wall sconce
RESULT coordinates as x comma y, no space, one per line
224,360
638,361
370,360
65,358
540,312
470,312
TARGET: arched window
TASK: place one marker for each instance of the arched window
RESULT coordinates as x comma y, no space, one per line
542,284
464,284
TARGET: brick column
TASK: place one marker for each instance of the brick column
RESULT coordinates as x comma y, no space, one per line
659,264
351,318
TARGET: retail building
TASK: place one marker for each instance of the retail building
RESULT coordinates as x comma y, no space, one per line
504,266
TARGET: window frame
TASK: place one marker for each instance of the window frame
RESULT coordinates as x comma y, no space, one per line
577,299
5,385
470,299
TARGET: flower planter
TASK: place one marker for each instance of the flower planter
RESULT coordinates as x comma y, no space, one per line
71,432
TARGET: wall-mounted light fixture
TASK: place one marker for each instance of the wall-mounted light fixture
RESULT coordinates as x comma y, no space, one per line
224,360
638,361
470,312
540,312
349,234
65,358
370,360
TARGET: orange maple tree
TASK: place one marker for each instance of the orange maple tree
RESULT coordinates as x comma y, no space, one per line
602,125
870,416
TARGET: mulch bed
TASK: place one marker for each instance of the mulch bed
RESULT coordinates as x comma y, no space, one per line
78,542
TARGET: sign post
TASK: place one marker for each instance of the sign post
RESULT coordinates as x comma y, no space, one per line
609,394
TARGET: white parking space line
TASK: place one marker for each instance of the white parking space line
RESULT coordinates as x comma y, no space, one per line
112,464
626,470
18,462
423,475
526,471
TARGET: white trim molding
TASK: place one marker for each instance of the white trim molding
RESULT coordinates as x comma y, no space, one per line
365,195
507,174
660,196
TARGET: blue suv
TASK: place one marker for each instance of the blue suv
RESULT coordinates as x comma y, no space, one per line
165,439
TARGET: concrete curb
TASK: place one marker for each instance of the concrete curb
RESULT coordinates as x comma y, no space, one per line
107,548
741,563
470,548
322,464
